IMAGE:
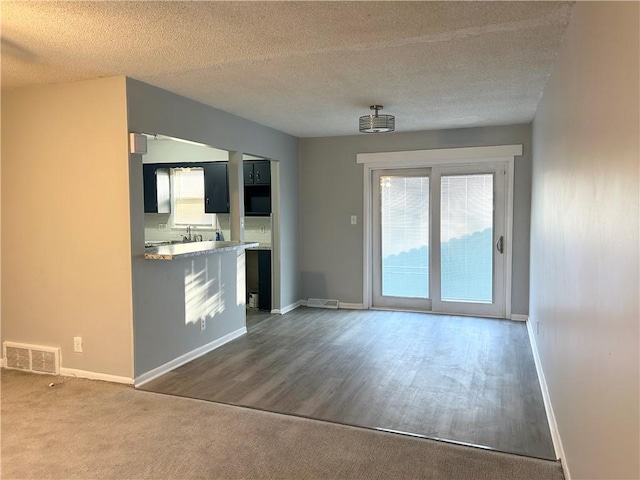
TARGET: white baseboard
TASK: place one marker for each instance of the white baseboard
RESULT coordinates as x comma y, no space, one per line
346,306
288,308
74,372
519,318
551,418
352,306
187,357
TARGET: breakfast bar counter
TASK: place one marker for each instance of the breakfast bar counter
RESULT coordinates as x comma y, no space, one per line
192,249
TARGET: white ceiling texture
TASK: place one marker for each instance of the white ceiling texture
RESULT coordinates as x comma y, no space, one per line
306,68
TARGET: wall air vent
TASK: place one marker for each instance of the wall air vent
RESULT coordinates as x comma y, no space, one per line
323,303
31,358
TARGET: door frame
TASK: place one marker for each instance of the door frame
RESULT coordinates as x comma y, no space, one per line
468,156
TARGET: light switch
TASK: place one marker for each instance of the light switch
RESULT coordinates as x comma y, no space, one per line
354,219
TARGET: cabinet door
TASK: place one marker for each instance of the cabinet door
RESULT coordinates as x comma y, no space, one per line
163,190
149,176
262,172
216,190
247,168
157,189
264,280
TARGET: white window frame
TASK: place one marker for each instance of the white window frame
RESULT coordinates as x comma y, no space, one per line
178,225
425,159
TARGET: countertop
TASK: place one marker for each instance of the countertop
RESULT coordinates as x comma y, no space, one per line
193,249
260,246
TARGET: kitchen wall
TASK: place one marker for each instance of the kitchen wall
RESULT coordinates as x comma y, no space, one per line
166,150
584,240
153,110
257,229
157,226
66,254
332,190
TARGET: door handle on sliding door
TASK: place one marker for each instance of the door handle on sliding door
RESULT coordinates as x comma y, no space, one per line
500,244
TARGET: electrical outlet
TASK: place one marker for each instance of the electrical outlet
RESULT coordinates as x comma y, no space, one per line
203,324
77,344
354,219
261,228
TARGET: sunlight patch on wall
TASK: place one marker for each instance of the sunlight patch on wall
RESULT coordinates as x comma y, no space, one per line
203,291
241,293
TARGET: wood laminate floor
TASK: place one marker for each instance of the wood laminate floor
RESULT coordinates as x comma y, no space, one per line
462,379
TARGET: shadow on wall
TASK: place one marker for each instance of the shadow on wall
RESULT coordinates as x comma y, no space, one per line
316,283
203,291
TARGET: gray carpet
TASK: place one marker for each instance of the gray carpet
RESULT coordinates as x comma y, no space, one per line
89,429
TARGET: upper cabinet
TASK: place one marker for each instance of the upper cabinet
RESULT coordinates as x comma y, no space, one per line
157,188
257,187
216,187
257,172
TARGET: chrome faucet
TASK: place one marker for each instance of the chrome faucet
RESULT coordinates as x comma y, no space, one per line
187,237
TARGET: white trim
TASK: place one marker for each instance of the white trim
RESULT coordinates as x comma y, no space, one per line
65,372
367,233
439,156
519,317
343,305
352,306
187,357
508,228
551,418
288,308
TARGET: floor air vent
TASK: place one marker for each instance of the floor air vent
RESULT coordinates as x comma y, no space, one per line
32,358
322,303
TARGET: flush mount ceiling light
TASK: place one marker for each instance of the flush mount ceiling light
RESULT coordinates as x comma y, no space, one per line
375,123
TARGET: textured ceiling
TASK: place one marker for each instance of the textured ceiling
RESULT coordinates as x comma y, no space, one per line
306,68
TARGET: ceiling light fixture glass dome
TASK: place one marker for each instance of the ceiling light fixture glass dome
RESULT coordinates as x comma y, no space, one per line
376,123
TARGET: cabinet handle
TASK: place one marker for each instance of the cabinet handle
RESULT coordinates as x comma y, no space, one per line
251,177
258,176
207,200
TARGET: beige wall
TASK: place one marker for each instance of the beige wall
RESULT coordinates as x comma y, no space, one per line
584,240
64,184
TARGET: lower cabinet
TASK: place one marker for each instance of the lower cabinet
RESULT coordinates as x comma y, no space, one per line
258,275
264,279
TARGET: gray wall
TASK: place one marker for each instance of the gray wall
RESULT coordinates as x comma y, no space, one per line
331,190
584,240
153,110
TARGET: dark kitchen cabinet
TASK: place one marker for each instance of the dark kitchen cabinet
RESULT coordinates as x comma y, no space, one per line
257,187
157,188
216,187
264,280
257,172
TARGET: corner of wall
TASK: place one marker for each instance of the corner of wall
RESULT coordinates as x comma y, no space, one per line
551,418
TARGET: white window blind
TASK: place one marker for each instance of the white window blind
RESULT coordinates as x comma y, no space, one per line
404,205
188,197
466,236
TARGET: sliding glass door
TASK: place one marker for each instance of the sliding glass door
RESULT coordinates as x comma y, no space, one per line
401,219
438,239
